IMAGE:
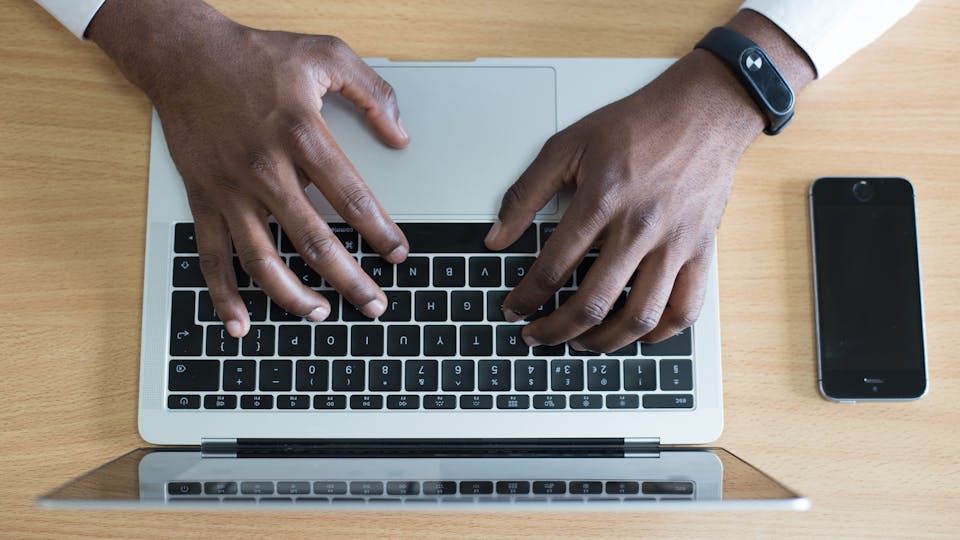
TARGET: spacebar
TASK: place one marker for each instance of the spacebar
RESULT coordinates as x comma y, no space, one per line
461,238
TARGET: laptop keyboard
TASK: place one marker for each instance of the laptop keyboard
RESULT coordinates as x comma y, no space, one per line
442,344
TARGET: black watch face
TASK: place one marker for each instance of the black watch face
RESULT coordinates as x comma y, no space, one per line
770,86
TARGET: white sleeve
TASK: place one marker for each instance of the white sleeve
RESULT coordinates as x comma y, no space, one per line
830,31
74,14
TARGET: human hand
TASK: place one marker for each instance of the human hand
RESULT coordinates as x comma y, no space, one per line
240,108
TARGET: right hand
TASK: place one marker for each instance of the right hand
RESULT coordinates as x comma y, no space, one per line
240,108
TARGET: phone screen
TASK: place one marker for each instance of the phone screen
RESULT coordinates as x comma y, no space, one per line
870,323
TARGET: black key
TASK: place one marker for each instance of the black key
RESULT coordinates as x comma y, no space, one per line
239,375
583,268
485,272
421,375
510,342
348,375
205,309
440,488
366,401
460,238
550,350
403,488
212,401
385,375
330,402
259,341
186,337
334,299
274,232
574,352
293,401
458,375
566,374
466,306
183,488
513,401
278,314
414,272
293,488
379,270
630,349
403,340
186,272
294,340
220,488
312,375
675,375
439,401
639,375
196,375
256,488
430,306
495,305
256,401
256,302
623,401
184,238
180,401
679,345
476,487
243,280
366,487
439,340
347,236
530,374
275,375
403,401
330,340
668,401
622,488
586,401
493,375
366,340
476,340
220,343
330,488
545,309
286,245
549,401
603,375
514,268
513,487
550,487
583,487
476,401
668,488
352,314
302,270
398,306
449,272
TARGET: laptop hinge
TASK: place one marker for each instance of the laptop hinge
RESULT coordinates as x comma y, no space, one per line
311,448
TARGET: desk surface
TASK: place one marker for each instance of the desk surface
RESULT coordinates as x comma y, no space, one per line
73,172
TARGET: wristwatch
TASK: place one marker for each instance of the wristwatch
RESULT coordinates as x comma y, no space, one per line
757,72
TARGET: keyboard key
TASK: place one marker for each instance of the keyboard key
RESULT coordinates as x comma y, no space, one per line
347,236
510,342
476,340
566,375
403,488
550,487
186,337
205,310
403,340
583,268
476,487
275,375
603,375
398,307
622,488
366,487
530,374
440,488
220,343
330,340
485,272
549,401
466,306
333,402
679,345
545,309
348,375
403,401
385,375
581,487
294,340
623,401
457,376
514,268
366,402
366,340
440,401
259,341
239,375
379,270
256,488
495,305
550,350
278,314
179,401
256,401
513,401
330,488
352,314
668,401
430,306
302,270
186,272
513,487
476,401
493,375
212,401
243,280
183,488
184,238
195,375
586,401
460,238
293,401
312,375
293,488
449,272
421,375
668,488
440,340
220,488
256,302
630,349
414,272
334,299
675,375
639,375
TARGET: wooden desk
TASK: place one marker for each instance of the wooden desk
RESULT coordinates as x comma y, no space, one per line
73,182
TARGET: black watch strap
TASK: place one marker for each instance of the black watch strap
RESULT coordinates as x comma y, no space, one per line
757,72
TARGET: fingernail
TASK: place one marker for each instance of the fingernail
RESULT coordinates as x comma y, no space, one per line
576,345
510,315
318,314
493,232
531,342
403,129
398,254
373,308
234,328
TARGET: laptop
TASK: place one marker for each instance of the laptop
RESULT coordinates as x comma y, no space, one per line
439,392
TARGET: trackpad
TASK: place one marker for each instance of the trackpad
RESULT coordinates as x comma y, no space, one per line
473,131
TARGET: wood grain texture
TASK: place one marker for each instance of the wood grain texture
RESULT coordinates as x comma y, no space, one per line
73,172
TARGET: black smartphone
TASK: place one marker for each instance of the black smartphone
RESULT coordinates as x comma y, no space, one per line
866,279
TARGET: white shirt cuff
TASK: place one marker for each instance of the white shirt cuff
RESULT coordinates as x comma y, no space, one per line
74,14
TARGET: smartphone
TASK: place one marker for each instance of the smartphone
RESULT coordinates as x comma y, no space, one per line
866,280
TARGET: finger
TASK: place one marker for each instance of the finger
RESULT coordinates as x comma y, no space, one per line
216,263
322,160
559,257
686,300
542,180
642,312
324,252
258,256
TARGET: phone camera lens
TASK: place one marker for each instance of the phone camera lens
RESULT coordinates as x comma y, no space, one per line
862,191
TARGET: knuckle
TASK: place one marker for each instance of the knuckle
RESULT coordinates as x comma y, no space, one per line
257,262
643,321
335,47
212,265
259,163
550,276
385,93
513,198
358,204
592,310
302,137
317,248
685,317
